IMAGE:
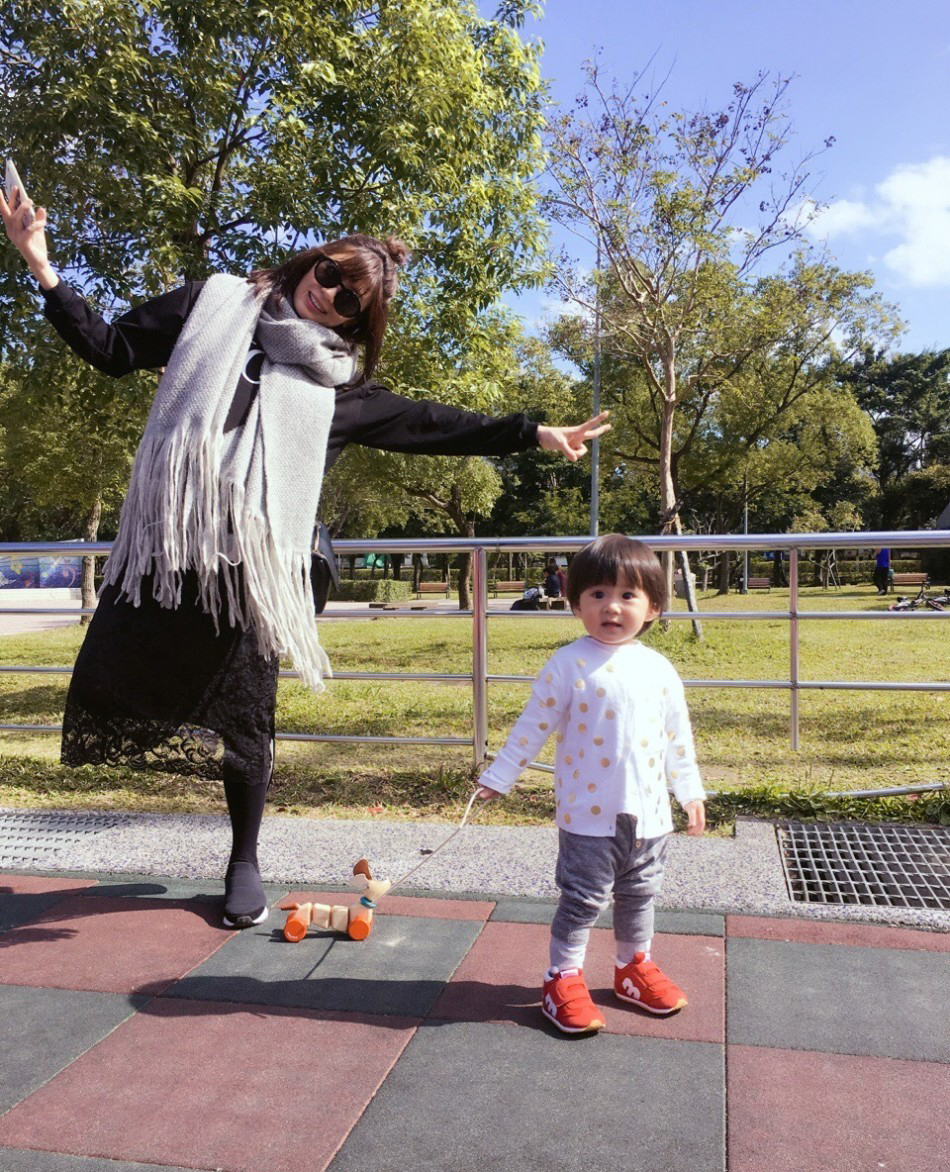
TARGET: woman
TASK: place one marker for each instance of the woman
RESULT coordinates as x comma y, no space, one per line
207,583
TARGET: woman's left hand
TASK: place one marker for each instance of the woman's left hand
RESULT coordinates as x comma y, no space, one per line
572,441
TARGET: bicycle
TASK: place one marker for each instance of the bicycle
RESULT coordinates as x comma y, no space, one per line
922,599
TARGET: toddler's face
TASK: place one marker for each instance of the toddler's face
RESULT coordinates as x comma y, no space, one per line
615,613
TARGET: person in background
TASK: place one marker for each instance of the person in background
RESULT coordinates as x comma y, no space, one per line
882,570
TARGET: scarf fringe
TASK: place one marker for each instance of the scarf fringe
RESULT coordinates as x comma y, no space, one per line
171,535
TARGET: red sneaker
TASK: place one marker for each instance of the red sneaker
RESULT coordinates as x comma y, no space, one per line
565,1000
642,983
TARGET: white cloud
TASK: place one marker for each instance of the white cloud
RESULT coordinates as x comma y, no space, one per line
911,204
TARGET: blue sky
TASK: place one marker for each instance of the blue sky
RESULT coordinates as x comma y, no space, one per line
874,75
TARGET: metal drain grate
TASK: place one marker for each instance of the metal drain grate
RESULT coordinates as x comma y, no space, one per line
848,862
35,839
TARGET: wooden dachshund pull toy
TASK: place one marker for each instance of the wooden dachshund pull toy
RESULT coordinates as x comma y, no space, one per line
355,922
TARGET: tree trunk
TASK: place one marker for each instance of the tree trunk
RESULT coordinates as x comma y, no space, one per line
725,563
416,572
88,585
688,585
665,468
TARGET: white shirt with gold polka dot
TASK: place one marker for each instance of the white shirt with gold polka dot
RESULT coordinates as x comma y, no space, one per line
623,735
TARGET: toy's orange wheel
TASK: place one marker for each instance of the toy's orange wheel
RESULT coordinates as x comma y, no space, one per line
297,924
359,926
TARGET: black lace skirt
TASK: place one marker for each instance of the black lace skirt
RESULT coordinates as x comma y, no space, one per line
160,689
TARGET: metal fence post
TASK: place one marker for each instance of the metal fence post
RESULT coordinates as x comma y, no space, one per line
793,642
480,654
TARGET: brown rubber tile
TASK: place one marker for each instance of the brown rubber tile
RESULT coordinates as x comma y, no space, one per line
27,897
823,932
215,1086
801,1111
35,884
500,981
399,905
111,945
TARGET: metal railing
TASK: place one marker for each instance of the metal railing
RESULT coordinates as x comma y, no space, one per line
480,678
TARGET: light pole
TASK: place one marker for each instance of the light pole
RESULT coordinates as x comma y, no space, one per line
595,443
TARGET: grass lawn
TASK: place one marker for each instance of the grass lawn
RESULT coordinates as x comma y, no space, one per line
849,740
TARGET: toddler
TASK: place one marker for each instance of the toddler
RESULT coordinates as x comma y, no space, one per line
618,711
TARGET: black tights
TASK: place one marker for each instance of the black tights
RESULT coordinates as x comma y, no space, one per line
246,810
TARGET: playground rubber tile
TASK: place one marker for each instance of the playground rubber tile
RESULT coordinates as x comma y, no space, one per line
400,969
884,1002
822,932
398,905
25,897
629,1104
110,945
30,1161
43,1030
518,911
500,982
859,1114
226,1087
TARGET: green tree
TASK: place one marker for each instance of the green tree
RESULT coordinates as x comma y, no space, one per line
685,210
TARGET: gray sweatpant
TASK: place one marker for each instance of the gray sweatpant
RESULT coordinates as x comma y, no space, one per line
588,870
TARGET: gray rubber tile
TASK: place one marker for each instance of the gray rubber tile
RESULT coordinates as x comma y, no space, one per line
886,1002
21,907
466,1097
401,969
13,1160
43,1030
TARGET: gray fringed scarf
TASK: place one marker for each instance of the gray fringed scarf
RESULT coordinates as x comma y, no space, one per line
205,500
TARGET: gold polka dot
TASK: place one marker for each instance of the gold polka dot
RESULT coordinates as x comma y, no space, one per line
583,706
523,762
582,663
579,685
560,782
568,760
559,738
674,774
550,702
592,789
572,798
522,740
577,774
644,742
595,809
601,692
548,678
605,761
582,728
567,817
610,714
681,752
598,740
652,762
670,733
580,752
610,667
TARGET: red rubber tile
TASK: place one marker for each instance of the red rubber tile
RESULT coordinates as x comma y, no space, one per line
800,1111
500,981
822,932
111,945
215,1086
400,905
36,884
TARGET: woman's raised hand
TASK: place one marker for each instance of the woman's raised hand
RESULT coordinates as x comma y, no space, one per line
29,238
571,442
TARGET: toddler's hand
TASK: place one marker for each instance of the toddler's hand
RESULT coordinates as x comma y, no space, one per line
486,793
695,817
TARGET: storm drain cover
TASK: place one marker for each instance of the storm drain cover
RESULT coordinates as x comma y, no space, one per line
35,839
849,862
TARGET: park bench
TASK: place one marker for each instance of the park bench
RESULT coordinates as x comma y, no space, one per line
910,580
559,603
432,588
759,584
507,588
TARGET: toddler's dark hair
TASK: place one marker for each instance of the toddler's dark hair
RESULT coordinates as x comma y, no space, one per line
615,558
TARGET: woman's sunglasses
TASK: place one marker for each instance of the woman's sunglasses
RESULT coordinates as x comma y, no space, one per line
330,276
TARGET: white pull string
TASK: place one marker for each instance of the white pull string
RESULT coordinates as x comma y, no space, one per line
445,842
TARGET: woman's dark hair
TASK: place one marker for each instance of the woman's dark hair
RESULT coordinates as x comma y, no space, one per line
363,261
615,558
